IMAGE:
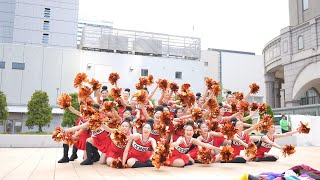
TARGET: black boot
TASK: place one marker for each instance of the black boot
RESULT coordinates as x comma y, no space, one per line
74,154
88,161
238,160
138,164
65,158
268,158
95,153
149,163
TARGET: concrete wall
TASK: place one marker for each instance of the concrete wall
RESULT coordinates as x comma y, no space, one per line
27,141
298,15
22,21
53,70
239,70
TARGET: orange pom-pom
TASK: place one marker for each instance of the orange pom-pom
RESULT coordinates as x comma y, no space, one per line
119,104
239,96
119,137
196,114
304,128
205,156
244,105
95,122
113,123
117,163
229,130
288,150
64,101
95,84
191,99
183,96
254,88
212,104
251,150
216,89
143,81
79,79
163,84
58,134
162,153
113,78
214,125
138,123
254,106
185,87
263,108
179,127
174,87
150,80
150,110
234,107
139,86
68,139
107,106
209,83
165,118
226,154
115,93
141,96
87,111
85,92
267,122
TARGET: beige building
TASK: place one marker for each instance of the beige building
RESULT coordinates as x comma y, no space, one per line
291,60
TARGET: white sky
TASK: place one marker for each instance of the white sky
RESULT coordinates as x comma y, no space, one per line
244,25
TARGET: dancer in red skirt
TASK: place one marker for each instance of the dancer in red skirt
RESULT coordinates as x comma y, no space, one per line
180,156
137,152
116,151
267,142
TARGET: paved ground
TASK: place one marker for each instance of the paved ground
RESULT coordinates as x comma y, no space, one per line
41,163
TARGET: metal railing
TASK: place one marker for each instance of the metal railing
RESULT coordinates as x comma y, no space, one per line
312,110
140,43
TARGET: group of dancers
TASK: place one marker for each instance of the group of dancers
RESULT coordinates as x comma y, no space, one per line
182,129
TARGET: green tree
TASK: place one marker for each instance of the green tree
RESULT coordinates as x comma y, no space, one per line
3,110
69,119
269,111
39,111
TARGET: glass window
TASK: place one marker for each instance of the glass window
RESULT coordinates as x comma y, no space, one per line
178,75
19,66
300,42
46,25
144,72
2,64
305,4
45,38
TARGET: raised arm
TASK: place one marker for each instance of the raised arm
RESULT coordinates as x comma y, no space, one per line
160,101
116,114
253,127
247,95
206,145
126,150
74,111
144,111
268,141
248,117
76,128
153,92
285,134
176,144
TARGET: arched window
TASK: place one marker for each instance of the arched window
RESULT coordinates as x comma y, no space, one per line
305,4
310,97
300,42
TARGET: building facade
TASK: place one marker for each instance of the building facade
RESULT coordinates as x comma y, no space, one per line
291,60
47,23
236,70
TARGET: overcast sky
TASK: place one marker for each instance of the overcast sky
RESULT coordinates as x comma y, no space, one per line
243,25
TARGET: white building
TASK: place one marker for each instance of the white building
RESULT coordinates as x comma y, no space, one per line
236,70
48,23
